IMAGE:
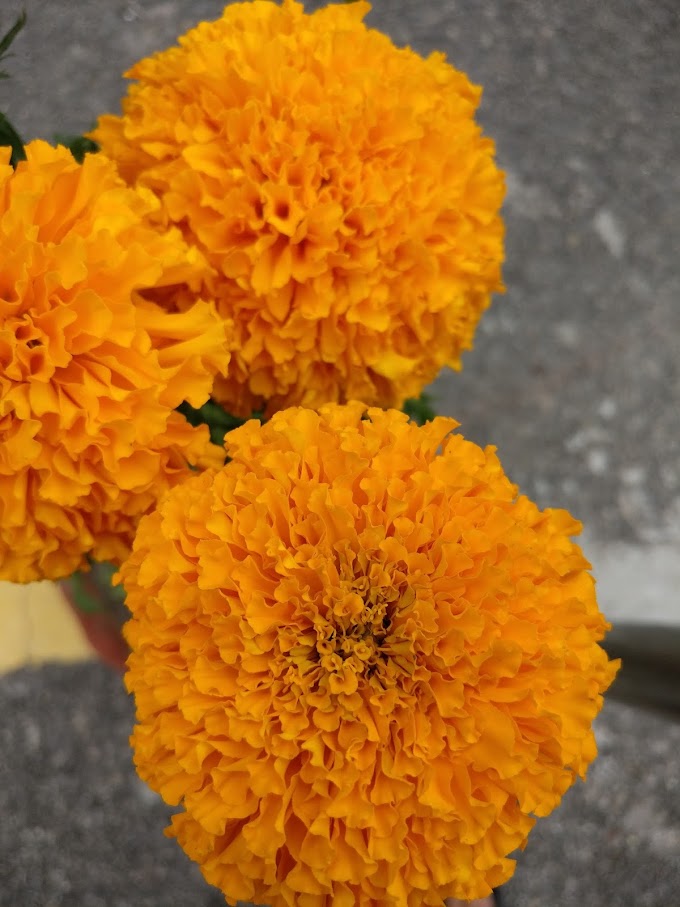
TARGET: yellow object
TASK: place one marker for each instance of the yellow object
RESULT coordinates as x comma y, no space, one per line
90,371
37,627
362,664
338,185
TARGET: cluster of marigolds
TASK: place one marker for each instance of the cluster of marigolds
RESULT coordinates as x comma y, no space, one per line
362,663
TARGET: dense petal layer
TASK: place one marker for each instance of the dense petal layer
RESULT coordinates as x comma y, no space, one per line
361,662
340,188
90,370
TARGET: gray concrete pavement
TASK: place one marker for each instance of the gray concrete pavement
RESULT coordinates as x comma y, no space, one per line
575,376
80,830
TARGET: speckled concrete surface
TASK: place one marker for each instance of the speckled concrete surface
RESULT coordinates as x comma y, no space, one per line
79,828
575,376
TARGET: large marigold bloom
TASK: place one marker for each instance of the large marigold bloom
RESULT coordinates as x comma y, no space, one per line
340,188
361,663
90,372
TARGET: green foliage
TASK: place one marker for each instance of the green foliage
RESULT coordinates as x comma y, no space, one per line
217,419
8,134
92,590
419,409
78,145
221,422
6,41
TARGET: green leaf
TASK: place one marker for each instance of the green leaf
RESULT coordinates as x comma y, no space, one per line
218,420
78,145
83,596
93,592
6,40
9,136
419,409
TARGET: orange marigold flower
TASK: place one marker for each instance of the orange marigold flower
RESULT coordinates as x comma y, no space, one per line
361,663
340,188
90,372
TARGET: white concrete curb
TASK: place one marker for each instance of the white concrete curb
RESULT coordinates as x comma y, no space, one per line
636,583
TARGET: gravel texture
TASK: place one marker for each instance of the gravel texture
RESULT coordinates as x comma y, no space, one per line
80,830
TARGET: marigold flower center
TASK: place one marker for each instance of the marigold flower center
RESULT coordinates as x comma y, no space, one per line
357,637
